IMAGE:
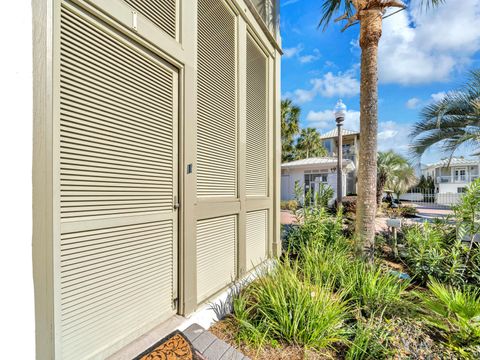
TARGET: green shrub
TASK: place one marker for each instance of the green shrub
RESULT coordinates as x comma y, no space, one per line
371,341
455,312
318,227
325,263
432,250
291,205
323,195
281,307
372,289
408,211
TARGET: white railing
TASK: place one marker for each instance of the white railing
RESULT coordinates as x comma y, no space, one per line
456,179
430,198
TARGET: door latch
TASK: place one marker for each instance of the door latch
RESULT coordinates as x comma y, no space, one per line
176,204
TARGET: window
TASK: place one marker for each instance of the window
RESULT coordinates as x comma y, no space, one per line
311,179
460,174
461,190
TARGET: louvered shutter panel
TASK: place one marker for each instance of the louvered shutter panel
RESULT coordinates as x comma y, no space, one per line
257,123
216,100
117,180
256,237
162,13
216,254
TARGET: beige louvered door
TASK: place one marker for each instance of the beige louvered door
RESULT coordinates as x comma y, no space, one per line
117,172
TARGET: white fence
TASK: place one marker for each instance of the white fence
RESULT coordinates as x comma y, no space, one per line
430,198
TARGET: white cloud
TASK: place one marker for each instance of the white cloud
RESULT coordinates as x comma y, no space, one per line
289,2
438,96
325,120
343,84
393,136
310,57
330,85
291,52
441,41
413,103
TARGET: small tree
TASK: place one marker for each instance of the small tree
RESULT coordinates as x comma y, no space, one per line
402,180
309,144
388,163
290,128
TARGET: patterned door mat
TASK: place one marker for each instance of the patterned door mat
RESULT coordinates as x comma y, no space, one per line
173,347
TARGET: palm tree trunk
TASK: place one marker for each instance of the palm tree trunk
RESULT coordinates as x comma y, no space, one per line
370,33
381,181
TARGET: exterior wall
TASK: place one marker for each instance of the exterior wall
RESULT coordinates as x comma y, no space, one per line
450,188
298,175
17,302
208,209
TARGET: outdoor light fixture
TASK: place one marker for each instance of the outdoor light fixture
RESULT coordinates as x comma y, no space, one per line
340,112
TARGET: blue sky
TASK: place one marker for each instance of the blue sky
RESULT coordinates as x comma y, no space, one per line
422,55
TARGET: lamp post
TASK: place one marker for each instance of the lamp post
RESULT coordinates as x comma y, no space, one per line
340,112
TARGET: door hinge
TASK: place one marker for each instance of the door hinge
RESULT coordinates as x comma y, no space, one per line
175,303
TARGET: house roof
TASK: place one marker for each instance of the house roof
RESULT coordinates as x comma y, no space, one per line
334,133
456,161
318,161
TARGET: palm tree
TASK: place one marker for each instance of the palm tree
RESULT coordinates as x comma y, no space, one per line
369,13
402,180
388,164
309,144
290,128
451,122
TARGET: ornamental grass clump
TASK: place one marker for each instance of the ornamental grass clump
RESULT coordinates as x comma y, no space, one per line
283,307
370,341
373,290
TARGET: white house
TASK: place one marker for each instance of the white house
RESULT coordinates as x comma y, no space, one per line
310,173
451,177
350,146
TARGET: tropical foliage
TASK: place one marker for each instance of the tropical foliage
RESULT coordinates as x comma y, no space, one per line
290,127
309,144
393,172
298,143
455,312
368,13
451,122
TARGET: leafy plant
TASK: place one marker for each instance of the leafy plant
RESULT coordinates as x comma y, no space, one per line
407,211
318,226
425,251
455,312
433,250
372,289
323,195
371,341
291,205
282,307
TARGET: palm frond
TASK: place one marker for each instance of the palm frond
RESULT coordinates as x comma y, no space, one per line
451,122
426,4
332,7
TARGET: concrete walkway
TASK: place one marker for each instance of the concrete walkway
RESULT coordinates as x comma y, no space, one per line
426,212
287,218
